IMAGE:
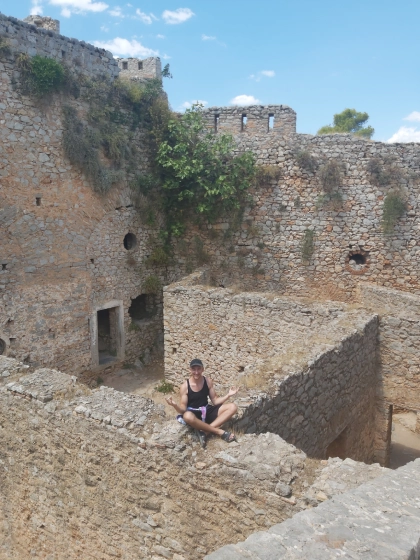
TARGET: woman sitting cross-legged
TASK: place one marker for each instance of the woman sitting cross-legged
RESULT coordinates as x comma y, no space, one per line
195,408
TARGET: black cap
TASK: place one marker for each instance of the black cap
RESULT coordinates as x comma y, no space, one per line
196,362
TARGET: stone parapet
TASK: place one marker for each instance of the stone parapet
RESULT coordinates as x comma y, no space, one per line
380,519
28,38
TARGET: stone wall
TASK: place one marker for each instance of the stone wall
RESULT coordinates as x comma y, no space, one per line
102,474
253,124
62,244
271,237
44,22
399,322
31,39
140,68
308,371
372,521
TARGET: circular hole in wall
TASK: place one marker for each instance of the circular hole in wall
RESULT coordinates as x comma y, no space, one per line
2,346
357,261
130,241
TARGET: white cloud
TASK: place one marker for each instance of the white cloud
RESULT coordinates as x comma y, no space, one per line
124,47
78,6
406,134
207,38
36,9
143,17
160,36
189,104
266,73
177,16
244,100
413,117
104,28
116,12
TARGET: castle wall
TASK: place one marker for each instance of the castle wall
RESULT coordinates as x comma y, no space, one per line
307,371
62,244
32,40
140,69
273,231
399,320
254,124
349,525
102,474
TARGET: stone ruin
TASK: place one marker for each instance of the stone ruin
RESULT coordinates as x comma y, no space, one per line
325,348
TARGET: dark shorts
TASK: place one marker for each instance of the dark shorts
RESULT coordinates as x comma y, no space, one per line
211,413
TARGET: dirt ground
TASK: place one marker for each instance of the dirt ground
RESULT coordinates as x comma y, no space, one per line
140,381
405,443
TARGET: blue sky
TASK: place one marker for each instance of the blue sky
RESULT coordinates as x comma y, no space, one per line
318,57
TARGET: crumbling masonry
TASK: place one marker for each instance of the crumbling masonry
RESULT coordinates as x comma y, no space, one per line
324,341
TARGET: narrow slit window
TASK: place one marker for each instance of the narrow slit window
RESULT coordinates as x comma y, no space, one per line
125,65
244,122
140,66
270,122
38,201
216,122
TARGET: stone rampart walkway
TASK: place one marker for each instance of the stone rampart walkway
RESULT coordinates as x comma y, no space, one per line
379,520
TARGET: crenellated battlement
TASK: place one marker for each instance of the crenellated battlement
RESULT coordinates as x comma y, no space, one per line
276,120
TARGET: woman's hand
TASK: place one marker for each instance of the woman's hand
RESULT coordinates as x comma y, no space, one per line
233,391
170,401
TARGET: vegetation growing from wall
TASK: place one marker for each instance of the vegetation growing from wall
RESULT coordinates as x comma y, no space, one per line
4,47
39,75
331,176
349,121
394,208
384,173
307,247
197,178
306,161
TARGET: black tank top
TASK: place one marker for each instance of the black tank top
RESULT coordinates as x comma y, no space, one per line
198,398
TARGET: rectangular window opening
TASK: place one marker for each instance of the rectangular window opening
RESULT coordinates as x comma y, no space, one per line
38,201
270,122
125,65
140,65
244,122
216,122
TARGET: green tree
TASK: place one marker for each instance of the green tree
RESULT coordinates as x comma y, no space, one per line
350,121
199,175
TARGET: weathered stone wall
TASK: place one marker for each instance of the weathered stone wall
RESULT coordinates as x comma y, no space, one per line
62,244
140,68
399,322
101,474
252,125
271,237
44,22
372,521
309,371
332,400
31,39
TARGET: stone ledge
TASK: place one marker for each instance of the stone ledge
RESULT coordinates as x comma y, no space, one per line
378,520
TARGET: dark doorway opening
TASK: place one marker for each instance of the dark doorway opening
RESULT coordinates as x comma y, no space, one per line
142,308
107,335
337,448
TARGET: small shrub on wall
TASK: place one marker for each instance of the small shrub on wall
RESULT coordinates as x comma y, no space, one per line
307,247
40,75
394,208
384,174
306,161
331,175
152,285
